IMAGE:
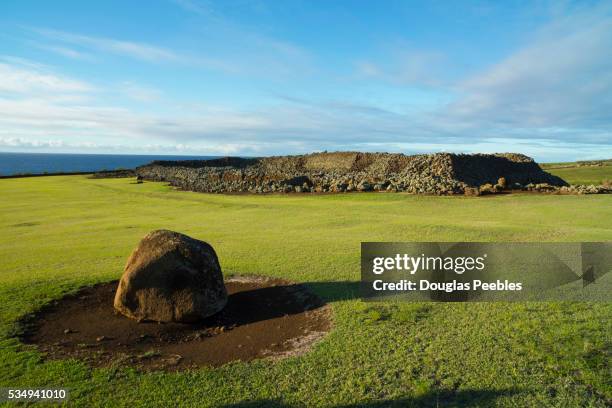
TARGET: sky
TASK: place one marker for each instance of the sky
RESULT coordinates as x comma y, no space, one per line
256,78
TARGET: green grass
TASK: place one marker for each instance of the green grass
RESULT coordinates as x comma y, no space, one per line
59,233
582,172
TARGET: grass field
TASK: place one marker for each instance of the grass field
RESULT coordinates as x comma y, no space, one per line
584,174
60,233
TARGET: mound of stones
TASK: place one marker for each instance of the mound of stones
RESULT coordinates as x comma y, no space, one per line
171,277
441,173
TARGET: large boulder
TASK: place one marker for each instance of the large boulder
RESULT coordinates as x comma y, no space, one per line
171,277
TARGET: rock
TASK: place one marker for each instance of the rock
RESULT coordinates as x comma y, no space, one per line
298,181
544,187
171,277
174,359
471,191
487,188
364,186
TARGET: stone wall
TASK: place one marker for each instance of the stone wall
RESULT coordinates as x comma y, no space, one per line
441,173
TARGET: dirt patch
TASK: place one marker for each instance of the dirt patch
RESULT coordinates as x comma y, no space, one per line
263,318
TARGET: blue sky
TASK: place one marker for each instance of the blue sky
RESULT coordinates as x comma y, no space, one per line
281,77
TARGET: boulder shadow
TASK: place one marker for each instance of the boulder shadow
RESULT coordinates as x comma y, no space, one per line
335,291
258,304
284,299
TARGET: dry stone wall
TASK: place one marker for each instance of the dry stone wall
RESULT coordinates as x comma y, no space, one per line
440,173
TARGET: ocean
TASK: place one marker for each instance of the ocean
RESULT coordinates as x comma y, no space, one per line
39,163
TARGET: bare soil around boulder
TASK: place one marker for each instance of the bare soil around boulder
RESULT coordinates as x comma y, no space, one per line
264,318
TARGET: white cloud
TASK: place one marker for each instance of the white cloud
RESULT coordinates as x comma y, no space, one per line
54,145
406,66
22,79
556,87
244,48
140,92
288,127
129,49
66,52
563,78
22,143
550,99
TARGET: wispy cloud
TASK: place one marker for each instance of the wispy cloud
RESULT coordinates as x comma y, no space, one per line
131,49
44,115
248,50
51,145
227,61
406,66
549,98
140,92
20,78
222,45
556,87
66,52
199,7
562,79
